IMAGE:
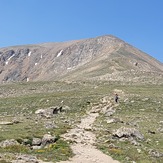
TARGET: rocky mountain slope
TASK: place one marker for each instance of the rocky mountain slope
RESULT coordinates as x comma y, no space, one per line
101,58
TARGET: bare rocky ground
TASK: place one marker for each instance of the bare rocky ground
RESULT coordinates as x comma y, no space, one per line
84,140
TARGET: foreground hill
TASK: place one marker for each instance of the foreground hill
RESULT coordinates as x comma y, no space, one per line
102,58
48,122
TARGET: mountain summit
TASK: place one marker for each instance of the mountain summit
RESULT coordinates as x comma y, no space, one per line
101,58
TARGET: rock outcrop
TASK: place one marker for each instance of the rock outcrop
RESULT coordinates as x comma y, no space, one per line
103,58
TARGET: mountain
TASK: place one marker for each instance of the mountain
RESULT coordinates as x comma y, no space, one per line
101,58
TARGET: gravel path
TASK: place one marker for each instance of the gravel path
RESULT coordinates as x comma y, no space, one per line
84,140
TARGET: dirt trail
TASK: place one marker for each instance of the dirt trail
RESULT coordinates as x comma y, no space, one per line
83,148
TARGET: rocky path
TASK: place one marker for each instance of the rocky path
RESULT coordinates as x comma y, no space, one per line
84,140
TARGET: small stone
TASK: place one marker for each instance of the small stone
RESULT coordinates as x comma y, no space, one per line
139,150
6,123
36,142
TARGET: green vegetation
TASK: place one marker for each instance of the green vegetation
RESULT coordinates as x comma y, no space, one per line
57,151
140,107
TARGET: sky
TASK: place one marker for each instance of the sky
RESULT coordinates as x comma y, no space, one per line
137,22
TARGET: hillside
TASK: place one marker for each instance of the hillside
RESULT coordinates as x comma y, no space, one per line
57,103
101,58
49,122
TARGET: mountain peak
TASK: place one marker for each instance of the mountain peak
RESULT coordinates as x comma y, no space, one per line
108,38
101,58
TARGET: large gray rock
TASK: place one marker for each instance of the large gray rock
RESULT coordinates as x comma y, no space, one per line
26,159
155,153
8,143
128,132
48,139
49,112
36,141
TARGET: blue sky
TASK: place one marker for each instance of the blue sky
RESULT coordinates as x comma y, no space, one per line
138,22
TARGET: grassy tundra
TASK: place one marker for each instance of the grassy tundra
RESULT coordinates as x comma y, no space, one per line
140,106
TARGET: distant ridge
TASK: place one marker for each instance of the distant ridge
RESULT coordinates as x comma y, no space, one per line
102,58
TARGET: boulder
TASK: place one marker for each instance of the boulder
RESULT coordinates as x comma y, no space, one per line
25,159
155,153
127,133
8,143
47,139
49,112
108,111
36,141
